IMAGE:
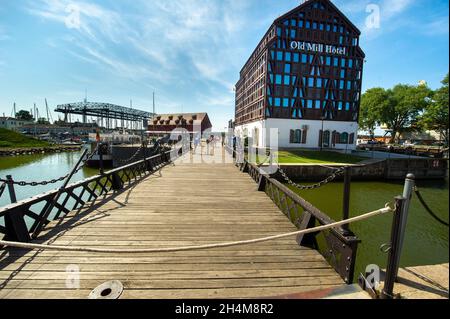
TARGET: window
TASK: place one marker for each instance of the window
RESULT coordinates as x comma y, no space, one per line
278,79
311,82
293,22
321,26
344,138
350,63
349,85
341,84
347,106
304,58
314,25
277,102
285,102
279,31
287,79
328,60
343,63
340,106
279,55
328,27
293,33
336,62
288,56
319,83
318,104
308,24
296,57
309,104
287,68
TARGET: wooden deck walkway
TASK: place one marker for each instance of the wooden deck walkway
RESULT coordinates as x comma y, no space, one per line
186,204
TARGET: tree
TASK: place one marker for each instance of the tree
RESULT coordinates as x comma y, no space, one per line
403,107
436,116
43,121
372,102
24,115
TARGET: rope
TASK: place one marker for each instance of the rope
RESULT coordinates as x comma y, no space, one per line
428,209
382,211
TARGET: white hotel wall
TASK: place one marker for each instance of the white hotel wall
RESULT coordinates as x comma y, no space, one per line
285,126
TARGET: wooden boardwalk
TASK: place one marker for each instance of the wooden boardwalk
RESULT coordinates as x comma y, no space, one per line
184,204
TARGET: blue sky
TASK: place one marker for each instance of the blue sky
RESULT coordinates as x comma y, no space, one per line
189,51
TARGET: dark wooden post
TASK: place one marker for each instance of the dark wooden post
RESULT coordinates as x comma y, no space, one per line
100,153
346,201
16,228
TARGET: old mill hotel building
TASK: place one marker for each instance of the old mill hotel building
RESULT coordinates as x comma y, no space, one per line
304,78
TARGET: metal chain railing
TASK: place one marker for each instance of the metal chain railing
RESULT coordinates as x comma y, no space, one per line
427,207
329,179
52,181
132,157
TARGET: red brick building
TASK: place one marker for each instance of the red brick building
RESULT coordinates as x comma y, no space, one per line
166,123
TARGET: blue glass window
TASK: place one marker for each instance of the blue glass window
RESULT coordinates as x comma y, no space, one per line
295,92
309,104
341,39
293,22
347,106
294,79
318,104
328,27
270,101
287,78
314,25
279,56
343,62
285,102
300,23
321,27
328,61
293,33
304,58
350,63
288,56
271,78
278,79
308,24
296,57
277,101
334,28
272,54
340,106
341,29
319,82
279,31
342,73
311,82
286,22
336,62
341,84
287,68
349,85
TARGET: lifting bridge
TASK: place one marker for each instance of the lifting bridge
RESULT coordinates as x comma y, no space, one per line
105,112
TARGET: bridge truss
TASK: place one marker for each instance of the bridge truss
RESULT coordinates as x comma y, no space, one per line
105,114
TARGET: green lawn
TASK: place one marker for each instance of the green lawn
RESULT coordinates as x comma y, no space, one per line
11,139
315,157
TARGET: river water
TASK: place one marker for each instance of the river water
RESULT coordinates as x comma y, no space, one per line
426,240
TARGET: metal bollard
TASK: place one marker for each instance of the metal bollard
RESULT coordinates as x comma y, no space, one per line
394,252
12,191
408,191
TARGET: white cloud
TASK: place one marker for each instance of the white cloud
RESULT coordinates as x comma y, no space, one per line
439,26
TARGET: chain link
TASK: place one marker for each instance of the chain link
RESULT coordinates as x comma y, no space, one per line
132,157
52,181
329,179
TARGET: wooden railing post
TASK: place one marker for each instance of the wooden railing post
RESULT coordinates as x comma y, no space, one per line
16,228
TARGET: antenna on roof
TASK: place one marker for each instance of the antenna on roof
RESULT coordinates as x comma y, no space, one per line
85,95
